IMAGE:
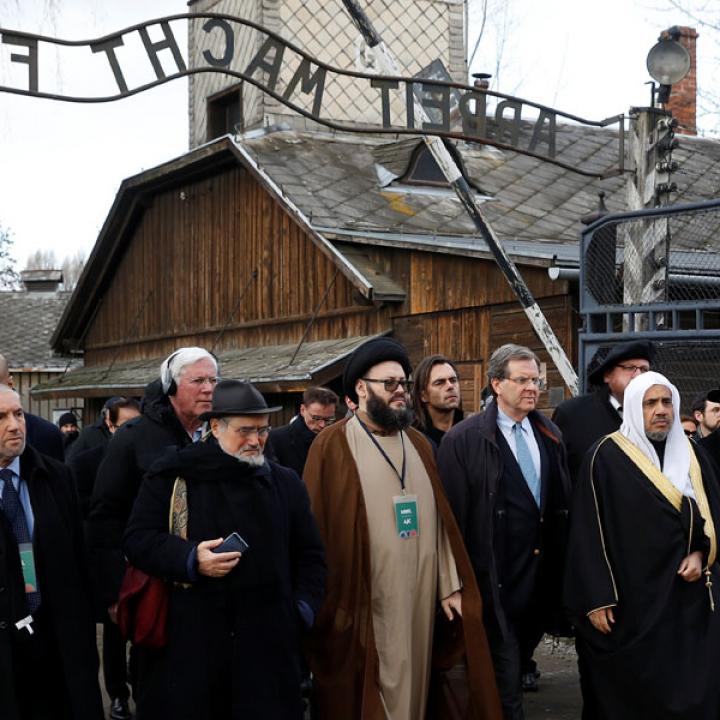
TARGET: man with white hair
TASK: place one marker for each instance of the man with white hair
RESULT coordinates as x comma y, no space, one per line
234,626
641,577
171,413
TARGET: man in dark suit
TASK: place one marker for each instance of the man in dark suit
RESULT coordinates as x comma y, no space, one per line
587,418
48,658
505,474
290,444
41,433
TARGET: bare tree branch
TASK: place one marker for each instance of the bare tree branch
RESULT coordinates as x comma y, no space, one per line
480,33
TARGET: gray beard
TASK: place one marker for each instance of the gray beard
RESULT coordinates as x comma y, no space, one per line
657,435
253,461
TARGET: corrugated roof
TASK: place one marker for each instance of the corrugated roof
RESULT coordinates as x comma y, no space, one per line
267,367
333,180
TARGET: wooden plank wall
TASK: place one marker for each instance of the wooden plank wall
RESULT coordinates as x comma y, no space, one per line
470,335
189,262
185,272
46,408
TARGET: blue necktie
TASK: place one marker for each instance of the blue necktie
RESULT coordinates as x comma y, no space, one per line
16,517
525,461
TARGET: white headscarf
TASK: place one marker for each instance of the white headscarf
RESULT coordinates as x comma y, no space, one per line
676,465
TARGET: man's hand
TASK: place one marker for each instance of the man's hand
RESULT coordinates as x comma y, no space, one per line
213,564
450,603
602,619
690,568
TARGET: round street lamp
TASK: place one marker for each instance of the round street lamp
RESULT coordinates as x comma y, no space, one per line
668,62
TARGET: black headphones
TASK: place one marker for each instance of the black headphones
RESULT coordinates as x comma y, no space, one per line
169,385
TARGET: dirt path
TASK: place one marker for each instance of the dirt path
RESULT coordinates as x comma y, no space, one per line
558,697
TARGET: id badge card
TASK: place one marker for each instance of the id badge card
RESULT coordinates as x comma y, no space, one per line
27,562
406,516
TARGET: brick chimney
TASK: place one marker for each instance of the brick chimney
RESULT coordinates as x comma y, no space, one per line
683,96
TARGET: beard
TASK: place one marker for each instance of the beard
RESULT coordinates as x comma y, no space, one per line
657,435
380,412
252,460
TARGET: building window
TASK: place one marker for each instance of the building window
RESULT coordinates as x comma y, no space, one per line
225,113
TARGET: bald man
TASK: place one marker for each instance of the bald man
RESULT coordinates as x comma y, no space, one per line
41,434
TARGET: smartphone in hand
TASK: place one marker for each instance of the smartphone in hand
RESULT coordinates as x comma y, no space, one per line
232,543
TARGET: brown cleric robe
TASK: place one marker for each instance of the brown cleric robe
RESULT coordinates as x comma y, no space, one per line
345,660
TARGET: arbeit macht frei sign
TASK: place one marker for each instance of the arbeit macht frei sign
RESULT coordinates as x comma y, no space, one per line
31,65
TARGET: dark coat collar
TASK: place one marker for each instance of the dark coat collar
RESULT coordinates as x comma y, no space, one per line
487,424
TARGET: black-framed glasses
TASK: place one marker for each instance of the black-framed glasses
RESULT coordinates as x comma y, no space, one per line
391,384
329,420
634,368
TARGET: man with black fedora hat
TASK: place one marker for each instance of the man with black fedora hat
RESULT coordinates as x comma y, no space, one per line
171,409
239,603
395,556
587,418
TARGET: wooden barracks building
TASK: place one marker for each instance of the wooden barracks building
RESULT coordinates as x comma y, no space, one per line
283,246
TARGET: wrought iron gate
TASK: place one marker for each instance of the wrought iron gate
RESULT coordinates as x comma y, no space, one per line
655,275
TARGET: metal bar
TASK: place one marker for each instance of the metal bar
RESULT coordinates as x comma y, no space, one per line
387,66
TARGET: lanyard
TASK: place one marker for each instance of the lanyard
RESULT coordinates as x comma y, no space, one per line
401,475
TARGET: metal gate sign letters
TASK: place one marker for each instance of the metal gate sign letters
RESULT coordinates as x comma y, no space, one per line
294,78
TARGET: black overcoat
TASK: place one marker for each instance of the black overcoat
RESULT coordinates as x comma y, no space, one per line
471,468
63,580
583,421
290,444
130,453
234,648
711,445
626,543
45,437
91,436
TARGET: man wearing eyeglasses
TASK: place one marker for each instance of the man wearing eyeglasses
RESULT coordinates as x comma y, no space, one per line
395,557
171,413
290,444
234,628
585,419
505,474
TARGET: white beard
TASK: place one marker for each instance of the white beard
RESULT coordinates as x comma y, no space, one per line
252,460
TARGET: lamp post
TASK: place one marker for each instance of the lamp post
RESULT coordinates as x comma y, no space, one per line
651,143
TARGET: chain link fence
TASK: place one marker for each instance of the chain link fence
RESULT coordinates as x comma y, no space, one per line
654,258
693,366
655,275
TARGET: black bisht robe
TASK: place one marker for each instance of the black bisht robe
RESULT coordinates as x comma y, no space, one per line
234,647
626,543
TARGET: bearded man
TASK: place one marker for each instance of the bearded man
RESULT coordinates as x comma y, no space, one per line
234,619
641,576
394,555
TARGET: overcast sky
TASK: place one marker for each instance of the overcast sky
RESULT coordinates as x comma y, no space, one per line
61,163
